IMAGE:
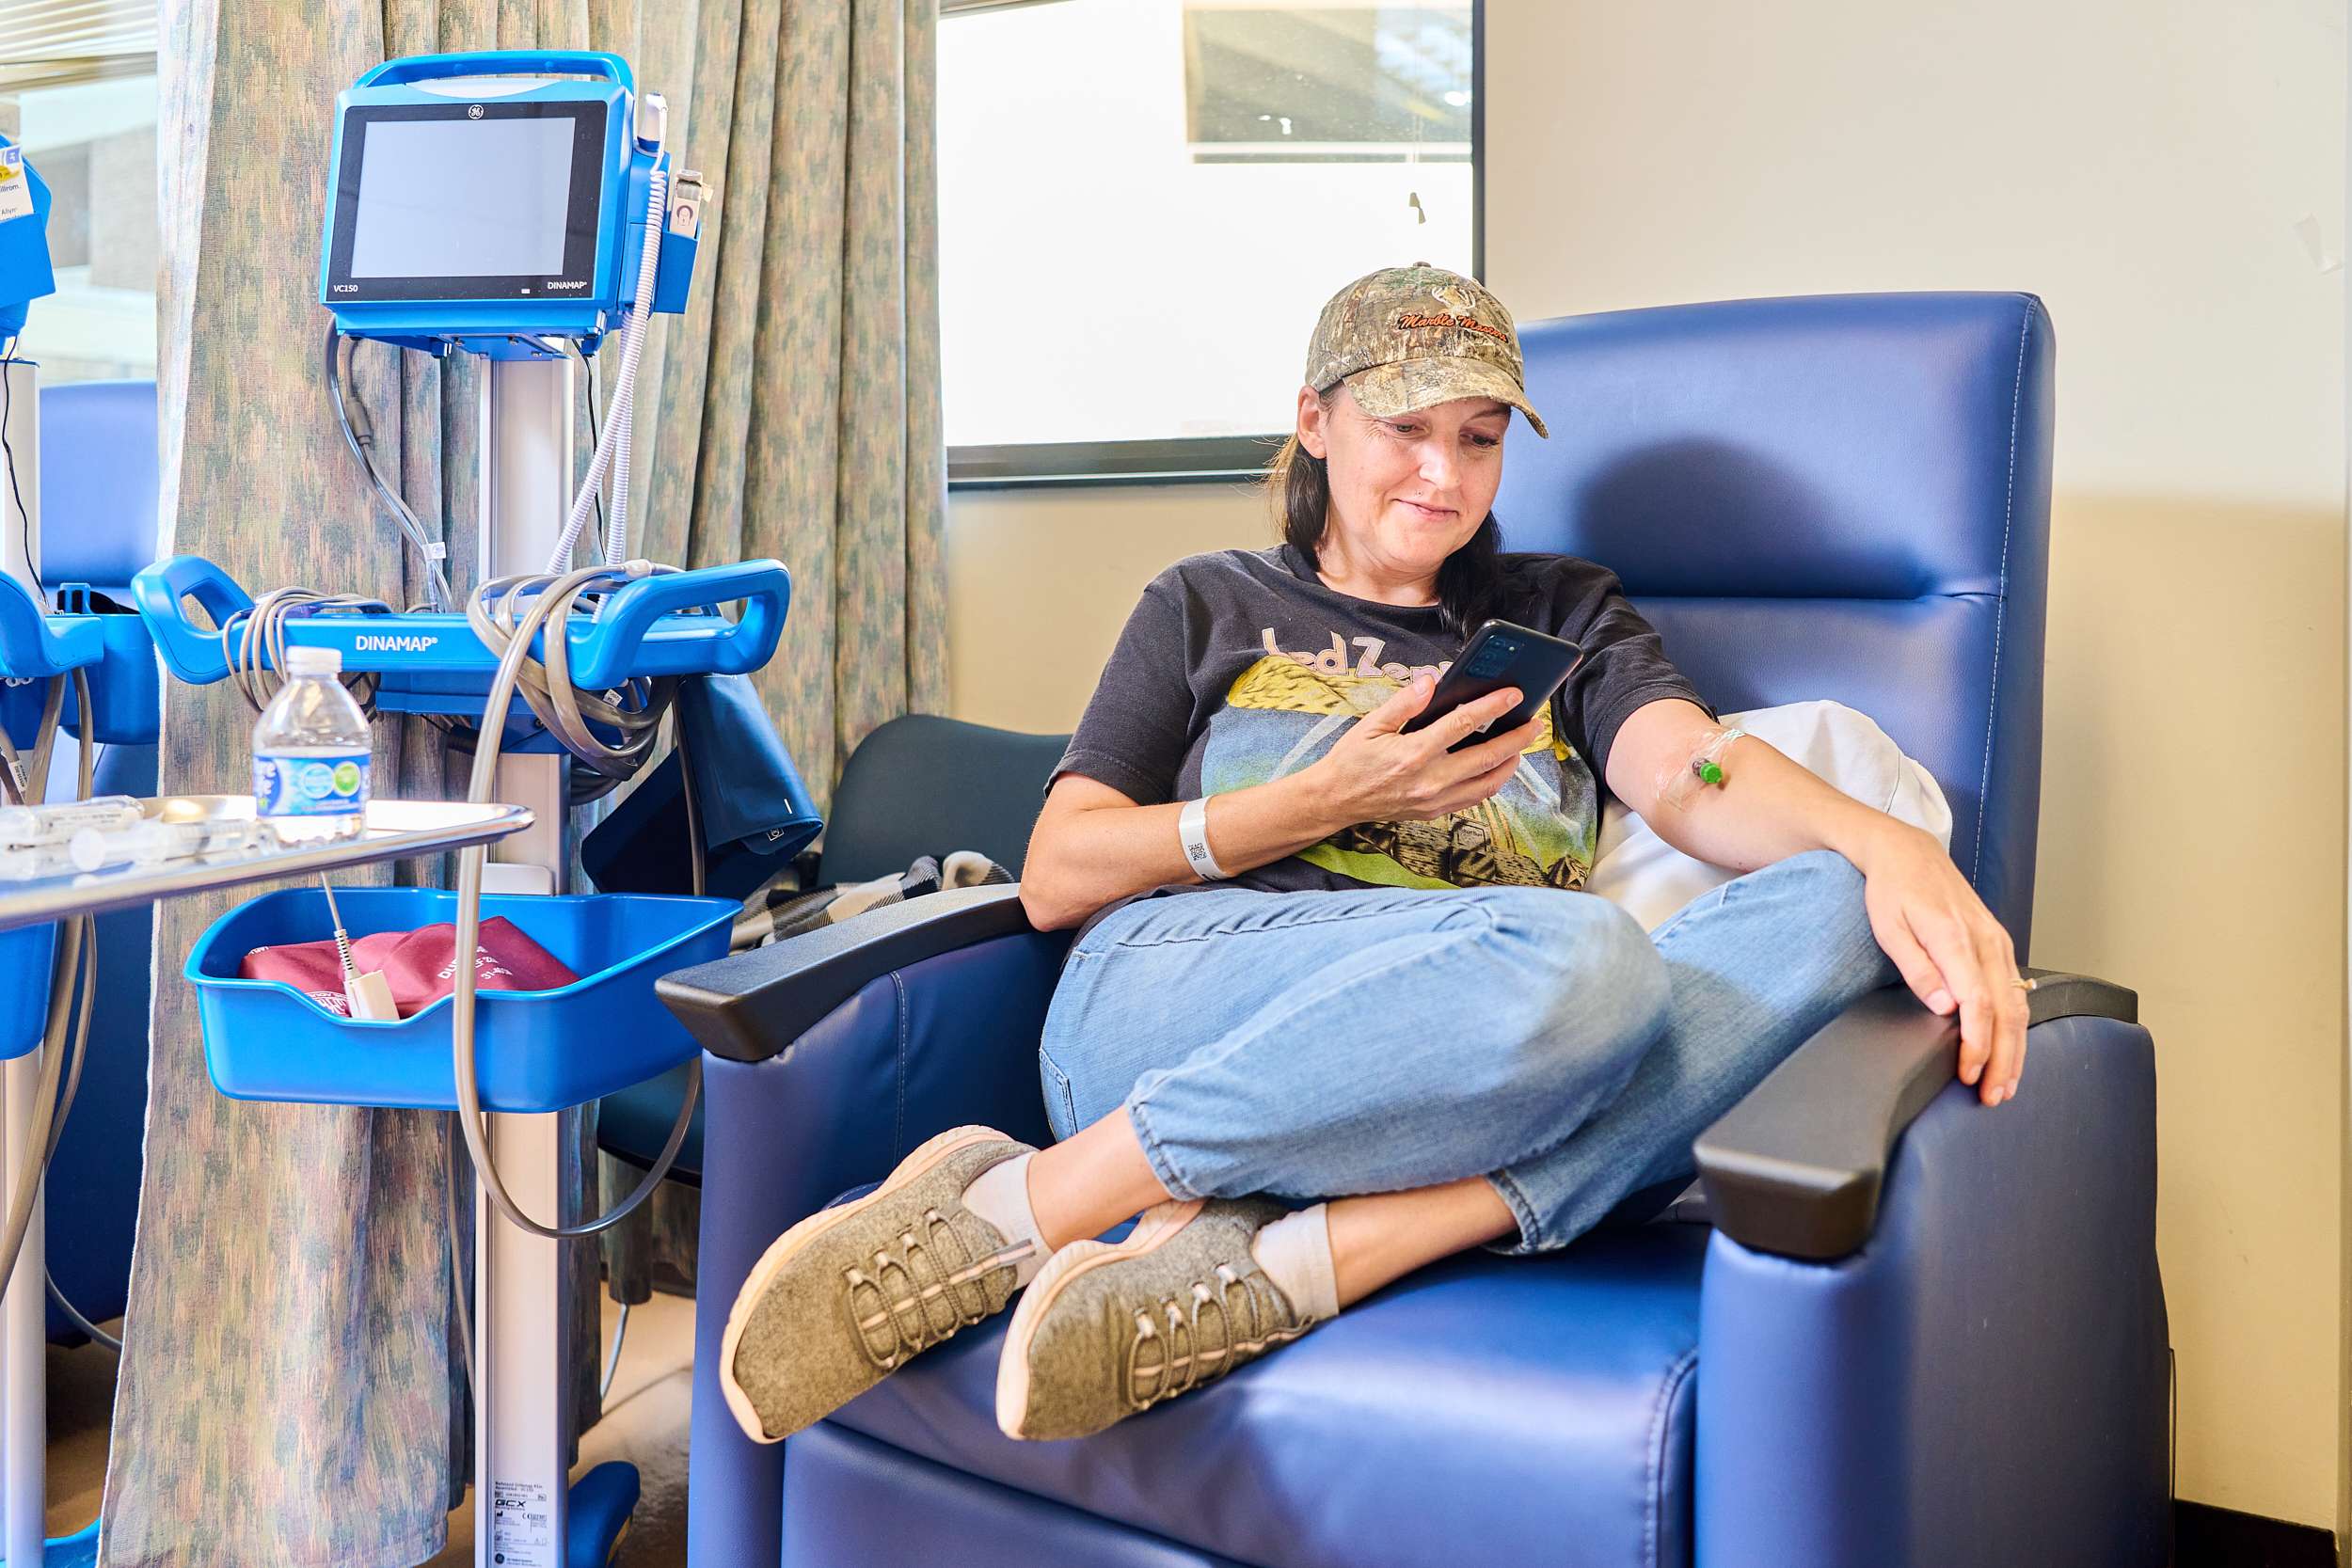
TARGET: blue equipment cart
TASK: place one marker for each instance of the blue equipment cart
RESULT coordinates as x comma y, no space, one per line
520,207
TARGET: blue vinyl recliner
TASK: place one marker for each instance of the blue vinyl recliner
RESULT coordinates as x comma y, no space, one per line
97,502
1913,1332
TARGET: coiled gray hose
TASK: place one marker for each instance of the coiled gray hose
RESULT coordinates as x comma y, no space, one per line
555,598
261,631
499,615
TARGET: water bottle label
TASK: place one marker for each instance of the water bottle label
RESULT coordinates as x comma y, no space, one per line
309,786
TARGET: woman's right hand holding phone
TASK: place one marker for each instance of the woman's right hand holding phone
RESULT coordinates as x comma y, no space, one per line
1376,774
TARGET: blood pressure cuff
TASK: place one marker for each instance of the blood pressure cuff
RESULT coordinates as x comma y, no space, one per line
418,965
755,812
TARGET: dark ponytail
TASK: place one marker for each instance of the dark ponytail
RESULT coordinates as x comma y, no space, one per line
1472,583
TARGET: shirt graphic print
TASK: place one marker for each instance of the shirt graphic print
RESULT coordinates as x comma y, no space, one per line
1290,707
1242,667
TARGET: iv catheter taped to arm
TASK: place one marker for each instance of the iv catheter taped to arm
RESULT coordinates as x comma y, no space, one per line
1703,768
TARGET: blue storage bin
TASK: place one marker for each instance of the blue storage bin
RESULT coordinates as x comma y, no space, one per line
537,1051
27,954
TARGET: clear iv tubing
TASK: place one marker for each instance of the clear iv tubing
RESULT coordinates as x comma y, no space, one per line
617,443
554,600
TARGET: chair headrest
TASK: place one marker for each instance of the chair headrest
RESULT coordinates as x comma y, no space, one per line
1838,446
1843,496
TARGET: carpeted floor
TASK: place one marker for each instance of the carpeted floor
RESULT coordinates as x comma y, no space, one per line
644,1424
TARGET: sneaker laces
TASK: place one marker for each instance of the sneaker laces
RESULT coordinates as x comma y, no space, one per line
928,1288
1200,1337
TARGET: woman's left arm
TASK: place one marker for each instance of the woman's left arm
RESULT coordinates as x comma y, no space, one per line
1951,951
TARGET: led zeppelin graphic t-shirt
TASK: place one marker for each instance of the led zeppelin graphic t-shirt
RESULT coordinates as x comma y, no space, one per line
1241,666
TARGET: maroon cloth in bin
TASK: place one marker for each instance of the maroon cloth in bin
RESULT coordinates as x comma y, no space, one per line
417,964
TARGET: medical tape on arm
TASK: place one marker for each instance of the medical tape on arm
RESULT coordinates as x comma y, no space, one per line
1702,769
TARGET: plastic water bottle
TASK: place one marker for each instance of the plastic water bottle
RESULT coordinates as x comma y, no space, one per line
310,753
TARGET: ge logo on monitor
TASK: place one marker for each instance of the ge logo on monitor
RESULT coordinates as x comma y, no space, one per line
474,112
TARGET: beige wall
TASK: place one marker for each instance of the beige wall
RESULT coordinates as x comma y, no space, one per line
2169,176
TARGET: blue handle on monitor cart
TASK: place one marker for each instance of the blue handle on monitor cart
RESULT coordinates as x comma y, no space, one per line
34,648
501,62
642,629
159,592
764,588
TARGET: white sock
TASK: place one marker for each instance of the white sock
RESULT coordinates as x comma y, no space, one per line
1296,1253
1000,1196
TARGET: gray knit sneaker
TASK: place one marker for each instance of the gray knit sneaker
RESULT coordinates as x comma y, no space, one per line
851,1293
1107,1331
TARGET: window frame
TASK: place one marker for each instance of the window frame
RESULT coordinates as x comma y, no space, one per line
1185,459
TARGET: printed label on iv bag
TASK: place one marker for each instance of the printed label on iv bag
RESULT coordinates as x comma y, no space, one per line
16,191
522,1527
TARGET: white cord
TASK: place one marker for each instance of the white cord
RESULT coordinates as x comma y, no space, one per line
612,1361
620,415
616,527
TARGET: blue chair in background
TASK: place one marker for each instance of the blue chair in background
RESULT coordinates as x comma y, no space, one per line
890,812
1911,1331
99,526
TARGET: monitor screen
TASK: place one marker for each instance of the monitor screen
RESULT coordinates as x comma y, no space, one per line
452,201
463,198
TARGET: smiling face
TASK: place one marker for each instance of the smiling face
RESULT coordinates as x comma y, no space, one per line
1408,490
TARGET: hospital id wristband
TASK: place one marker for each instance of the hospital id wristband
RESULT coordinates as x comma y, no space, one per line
1192,829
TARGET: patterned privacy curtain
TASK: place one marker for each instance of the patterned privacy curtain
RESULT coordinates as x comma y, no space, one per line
809,360
289,1393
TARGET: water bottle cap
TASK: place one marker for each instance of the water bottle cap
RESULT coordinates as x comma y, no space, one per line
314,661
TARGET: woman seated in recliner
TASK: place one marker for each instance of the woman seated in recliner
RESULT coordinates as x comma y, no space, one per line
1337,1008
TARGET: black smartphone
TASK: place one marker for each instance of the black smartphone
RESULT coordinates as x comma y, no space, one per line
1497,655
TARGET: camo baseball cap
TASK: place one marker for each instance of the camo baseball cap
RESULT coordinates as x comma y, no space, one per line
1406,338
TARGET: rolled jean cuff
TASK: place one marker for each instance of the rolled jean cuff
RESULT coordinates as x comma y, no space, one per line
1162,1166
1530,1236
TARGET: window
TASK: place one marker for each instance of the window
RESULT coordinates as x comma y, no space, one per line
94,143
77,92
1143,204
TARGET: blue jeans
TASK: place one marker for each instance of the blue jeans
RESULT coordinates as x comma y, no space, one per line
1309,1045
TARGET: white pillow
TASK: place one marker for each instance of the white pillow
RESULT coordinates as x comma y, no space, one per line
1650,879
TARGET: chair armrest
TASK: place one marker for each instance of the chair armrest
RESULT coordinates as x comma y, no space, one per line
749,1006
862,1041
1795,1168
1984,1381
